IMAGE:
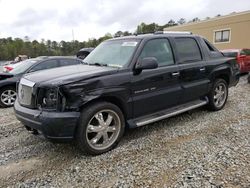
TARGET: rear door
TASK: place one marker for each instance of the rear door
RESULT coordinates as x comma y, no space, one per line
193,68
156,89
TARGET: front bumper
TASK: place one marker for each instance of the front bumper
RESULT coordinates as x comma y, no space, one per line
53,125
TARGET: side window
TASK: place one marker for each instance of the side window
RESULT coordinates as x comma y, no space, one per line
246,52
243,52
160,49
45,65
187,50
67,62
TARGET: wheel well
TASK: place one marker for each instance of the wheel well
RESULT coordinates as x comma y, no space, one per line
224,77
113,100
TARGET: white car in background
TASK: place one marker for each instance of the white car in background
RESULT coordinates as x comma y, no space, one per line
10,67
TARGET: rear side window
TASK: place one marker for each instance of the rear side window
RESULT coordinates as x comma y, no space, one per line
67,62
49,64
210,47
160,49
187,50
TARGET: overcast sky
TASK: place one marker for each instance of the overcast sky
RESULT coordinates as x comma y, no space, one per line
55,19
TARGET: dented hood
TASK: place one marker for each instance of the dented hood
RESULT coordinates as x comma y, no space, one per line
68,74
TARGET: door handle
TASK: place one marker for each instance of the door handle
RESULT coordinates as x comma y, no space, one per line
202,69
175,73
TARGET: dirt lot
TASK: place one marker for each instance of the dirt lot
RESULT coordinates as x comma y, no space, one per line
195,149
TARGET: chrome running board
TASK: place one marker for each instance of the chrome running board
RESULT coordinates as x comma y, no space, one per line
169,112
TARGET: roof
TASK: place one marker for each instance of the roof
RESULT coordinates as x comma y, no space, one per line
55,57
86,49
150,35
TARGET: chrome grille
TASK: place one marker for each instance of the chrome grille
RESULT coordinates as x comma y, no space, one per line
25,90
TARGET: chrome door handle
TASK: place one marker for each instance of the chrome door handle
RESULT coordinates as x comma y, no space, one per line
202,69
175,73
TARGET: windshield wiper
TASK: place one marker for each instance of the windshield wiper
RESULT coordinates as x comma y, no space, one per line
99,64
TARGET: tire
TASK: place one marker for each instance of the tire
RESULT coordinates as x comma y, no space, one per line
218,95
7,96
100,128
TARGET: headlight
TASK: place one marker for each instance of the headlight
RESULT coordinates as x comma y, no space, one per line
50,98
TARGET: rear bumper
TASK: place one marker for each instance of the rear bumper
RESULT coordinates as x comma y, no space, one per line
244,67
53,125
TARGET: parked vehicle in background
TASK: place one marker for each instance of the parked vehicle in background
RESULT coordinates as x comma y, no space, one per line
242,56
9,67
17,59
128,81
21,58
8,80
84,52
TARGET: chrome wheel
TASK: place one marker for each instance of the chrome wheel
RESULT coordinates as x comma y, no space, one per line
220,95
103,129
8,97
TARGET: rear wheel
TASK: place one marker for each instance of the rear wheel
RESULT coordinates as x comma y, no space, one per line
218,95
8,96
100,128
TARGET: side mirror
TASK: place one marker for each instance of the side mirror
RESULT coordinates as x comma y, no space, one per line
147,63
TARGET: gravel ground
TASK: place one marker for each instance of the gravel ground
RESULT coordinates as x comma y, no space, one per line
195,149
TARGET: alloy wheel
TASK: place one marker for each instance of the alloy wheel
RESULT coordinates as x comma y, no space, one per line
103,129
8,97
220,95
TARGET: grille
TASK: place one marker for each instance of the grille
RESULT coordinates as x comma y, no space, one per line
25,90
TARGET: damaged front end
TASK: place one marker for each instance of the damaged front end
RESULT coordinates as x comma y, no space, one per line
51,99
61,98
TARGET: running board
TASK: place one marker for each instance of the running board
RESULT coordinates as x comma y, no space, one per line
169,112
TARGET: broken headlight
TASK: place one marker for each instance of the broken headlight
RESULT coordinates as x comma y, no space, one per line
50,99
47,98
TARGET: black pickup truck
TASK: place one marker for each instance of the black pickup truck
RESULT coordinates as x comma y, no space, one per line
125,82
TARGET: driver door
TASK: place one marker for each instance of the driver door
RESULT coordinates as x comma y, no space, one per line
156,89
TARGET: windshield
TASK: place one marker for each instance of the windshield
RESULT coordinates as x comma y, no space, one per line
23,66
116,53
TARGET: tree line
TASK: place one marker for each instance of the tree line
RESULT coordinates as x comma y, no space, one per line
10,48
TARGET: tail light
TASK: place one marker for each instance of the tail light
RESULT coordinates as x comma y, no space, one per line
8,69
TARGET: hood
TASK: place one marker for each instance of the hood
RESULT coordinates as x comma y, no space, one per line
67,74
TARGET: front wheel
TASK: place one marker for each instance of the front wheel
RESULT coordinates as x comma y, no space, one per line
7,96
100,128
218,95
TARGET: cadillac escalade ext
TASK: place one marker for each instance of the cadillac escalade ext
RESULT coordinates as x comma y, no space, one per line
125,82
